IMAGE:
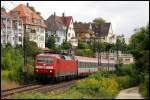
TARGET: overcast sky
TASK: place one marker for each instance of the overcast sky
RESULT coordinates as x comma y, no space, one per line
125,16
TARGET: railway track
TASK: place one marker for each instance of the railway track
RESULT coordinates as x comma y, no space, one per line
37,88
8,92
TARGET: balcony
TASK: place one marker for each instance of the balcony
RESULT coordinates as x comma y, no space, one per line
33,31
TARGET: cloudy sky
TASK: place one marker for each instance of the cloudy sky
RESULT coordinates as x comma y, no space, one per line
125,16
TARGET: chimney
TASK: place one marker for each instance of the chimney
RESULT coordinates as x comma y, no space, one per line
27,4
63,14
54,14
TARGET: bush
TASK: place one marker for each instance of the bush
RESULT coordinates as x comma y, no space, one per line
84,52
125,69
12,62
126,82
5,74
102,88
144,87
83,45
7,61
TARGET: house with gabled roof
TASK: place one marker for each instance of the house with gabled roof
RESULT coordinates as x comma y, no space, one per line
104,32
83,30
34,26
62,28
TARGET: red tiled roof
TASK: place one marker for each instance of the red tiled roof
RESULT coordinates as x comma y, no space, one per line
81,27
66,20
26,14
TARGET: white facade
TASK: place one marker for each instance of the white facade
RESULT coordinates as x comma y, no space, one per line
60,36
18,31
111,38
11,31
71,34
38,36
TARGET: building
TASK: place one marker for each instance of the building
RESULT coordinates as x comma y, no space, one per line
33,24
11,29
83,31
90,31
124,58
56,28
62,28
104,32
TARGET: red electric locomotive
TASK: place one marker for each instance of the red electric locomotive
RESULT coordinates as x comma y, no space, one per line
55,65
62,66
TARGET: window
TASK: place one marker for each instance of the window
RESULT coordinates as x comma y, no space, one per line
68,34
84,64
41,38
127,59
42,30
111,58
66,57
45,60
58,39
20,39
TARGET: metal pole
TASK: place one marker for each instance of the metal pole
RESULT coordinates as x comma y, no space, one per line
25,58
108,59
100,52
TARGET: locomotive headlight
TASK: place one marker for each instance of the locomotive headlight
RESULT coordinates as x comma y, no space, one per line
50,71
36,70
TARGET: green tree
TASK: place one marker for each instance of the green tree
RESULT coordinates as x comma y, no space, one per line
139,47
83,45
139,44
51,42
99,21
66,45
7,61
31,48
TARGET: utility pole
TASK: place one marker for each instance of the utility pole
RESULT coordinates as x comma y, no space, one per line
117,56
25,69
100,50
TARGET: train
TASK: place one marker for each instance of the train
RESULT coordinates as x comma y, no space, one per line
62,66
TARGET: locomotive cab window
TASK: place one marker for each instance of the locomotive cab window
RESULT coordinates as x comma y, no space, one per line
46,60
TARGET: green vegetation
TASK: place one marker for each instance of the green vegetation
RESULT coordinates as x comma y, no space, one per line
84,49
84,52
12,61
50,43
33,95
66,45
99,20
97,86
144,87
139,47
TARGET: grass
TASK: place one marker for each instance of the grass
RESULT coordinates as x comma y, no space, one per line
96,86
7,84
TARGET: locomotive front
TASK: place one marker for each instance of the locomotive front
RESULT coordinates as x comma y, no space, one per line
44,64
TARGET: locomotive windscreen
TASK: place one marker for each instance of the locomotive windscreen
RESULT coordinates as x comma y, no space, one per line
46,60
